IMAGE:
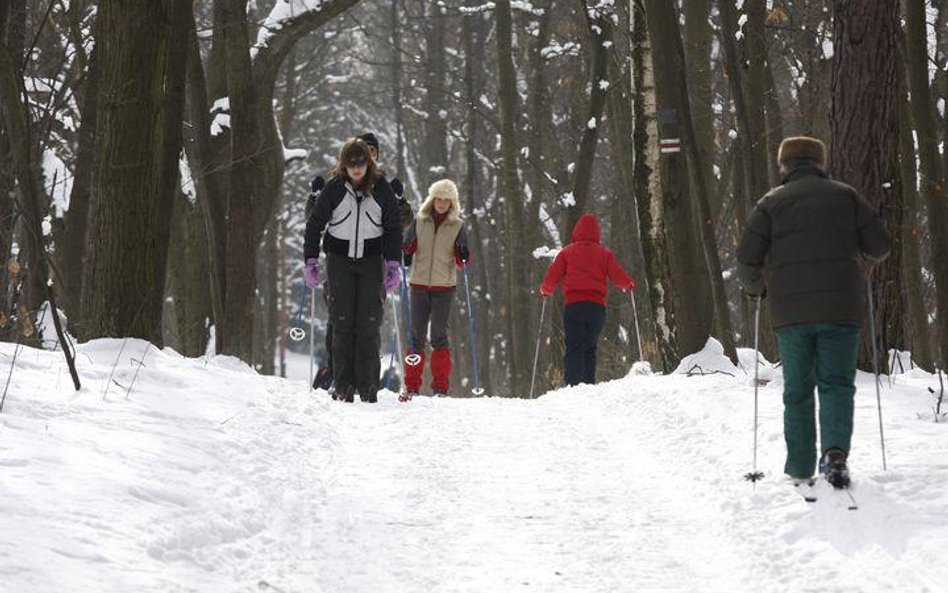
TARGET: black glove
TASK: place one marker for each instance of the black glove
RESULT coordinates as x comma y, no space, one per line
397,187
407,259
464,253
318,184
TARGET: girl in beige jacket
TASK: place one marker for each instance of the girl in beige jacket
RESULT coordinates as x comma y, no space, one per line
435,247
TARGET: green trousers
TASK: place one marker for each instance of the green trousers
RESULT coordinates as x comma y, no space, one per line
819,355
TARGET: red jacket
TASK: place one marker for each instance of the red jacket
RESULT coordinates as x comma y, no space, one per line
584,265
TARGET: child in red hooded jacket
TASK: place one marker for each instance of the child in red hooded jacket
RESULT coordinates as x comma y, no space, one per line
583,267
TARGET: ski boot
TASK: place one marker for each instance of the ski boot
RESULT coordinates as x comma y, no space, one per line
834,469
343,393
406,396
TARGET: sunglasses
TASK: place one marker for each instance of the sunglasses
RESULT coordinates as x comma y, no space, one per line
357,164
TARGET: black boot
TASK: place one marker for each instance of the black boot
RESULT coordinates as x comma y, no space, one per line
343,393
833,467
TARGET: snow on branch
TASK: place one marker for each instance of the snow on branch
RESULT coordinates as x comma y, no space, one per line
282,12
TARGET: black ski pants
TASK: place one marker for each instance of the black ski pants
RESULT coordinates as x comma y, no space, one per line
434,307
356,297
583,323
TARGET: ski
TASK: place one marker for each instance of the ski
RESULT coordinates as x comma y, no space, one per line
805,489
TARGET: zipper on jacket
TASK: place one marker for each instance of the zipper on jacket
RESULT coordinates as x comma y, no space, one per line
434,241
358,222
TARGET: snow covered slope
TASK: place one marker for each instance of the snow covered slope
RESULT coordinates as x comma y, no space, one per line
210,478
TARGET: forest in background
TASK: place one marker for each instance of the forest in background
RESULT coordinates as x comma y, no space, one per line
156,156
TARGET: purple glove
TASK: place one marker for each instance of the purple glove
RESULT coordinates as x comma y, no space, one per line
312,275
392,273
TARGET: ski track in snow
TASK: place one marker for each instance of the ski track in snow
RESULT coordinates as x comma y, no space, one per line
211,478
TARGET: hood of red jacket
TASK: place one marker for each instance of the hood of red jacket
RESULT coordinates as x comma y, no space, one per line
587,229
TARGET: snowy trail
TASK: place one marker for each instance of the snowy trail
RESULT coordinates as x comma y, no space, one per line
210,478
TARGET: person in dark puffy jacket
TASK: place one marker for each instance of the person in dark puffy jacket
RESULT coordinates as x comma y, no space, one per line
812,236
583,267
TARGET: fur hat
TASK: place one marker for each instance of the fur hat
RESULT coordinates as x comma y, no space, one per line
802,147
446,189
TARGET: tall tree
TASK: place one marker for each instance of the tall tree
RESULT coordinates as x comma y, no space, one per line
138,142
599,24
510,190
917,316
700,182
863,124
932,175
474,79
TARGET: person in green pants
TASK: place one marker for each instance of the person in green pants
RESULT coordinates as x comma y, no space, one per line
805,246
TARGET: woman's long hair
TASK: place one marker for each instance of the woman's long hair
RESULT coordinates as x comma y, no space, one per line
356,150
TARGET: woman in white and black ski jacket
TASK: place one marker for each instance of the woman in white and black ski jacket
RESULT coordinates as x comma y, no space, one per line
359,213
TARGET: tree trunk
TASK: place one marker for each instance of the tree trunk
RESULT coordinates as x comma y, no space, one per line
397,90
917,327
435,157
599,24
933,180
722,314
512,200
474,79
138,142
239,299
188,271
71,238
628,243
689,285
748,107
863,120
698,37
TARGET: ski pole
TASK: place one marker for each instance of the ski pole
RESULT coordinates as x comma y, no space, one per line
635,315
756,475
296,332
312,335
398,343
406,295
875,364
472,344
396,347
536,355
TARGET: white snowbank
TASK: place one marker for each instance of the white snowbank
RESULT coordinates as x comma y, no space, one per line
206,477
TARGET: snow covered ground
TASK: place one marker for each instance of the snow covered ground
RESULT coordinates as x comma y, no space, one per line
208,477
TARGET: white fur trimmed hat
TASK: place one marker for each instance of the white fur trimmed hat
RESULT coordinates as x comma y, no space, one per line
802,147
444,188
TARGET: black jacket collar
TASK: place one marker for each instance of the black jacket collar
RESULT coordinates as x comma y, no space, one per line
799,171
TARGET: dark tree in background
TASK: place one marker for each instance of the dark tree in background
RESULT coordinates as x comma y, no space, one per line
864,138
932,180
141,98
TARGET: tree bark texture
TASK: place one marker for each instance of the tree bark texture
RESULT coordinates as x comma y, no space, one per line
690,284
917,326
864,137
188,270
701,192
512,199
138,140
932,175
72,237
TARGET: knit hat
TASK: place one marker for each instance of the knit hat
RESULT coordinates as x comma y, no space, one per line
370,139
800,148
